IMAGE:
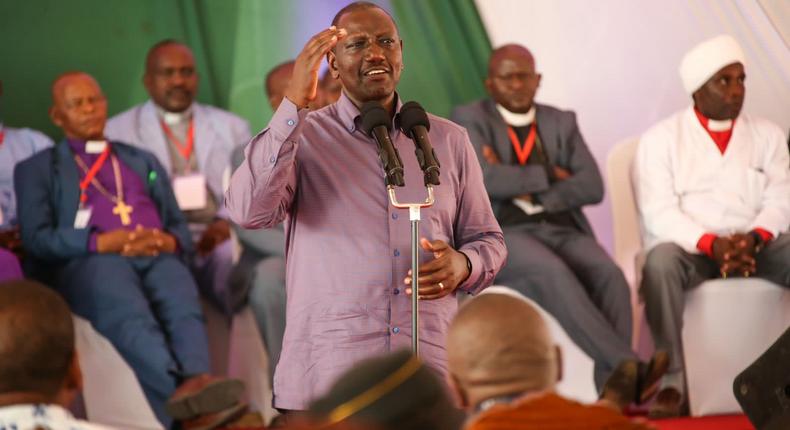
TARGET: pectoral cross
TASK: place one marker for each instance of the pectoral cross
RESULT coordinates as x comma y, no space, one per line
123,210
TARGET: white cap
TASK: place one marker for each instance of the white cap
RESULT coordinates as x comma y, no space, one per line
707,58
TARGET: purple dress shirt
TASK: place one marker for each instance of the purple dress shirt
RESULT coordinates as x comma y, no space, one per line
347,248
102,219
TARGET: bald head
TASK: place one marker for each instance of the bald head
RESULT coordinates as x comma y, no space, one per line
36,340
512,78
277,81
170,75
78,106
498,345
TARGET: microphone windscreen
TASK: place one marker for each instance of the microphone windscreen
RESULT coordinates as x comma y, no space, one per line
411,115
374,115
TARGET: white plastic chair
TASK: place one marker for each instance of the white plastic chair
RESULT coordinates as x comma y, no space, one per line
727,323
112,395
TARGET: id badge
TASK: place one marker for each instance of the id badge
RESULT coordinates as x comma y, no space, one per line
83,217
190,191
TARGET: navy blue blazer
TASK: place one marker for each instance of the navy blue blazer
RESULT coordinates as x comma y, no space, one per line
47,192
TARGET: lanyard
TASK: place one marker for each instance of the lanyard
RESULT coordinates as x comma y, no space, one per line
91,173
2,136
522,152
184,148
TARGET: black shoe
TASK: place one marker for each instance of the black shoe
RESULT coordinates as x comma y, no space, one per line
669,404
620,388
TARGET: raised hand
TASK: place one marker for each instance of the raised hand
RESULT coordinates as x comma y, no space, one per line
303,87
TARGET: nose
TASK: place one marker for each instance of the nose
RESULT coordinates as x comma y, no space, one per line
736,90
374,52
177,78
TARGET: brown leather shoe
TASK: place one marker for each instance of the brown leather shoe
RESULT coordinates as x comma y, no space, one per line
204,395
650,374
669,404
215,420
620,388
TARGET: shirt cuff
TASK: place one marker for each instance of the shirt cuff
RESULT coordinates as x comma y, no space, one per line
764,234
474,275
705,244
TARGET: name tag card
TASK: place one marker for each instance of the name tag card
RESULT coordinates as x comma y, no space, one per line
83,217
95,146
190,191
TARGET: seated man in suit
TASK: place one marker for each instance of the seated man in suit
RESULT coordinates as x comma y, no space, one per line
504,366
39,370
16,144
194,142
539,175
100,223
713,191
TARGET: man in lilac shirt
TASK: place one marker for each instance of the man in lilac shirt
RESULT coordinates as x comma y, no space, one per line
111,247
347,248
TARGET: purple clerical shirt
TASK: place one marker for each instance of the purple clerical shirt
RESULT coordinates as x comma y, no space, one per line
347,248
144,212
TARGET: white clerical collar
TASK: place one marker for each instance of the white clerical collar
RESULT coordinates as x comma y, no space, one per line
517,119
719,125
174,118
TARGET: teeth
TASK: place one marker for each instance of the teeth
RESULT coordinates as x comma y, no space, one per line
375,72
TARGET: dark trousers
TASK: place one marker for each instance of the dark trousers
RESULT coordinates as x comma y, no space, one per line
568,274
149,309
669,271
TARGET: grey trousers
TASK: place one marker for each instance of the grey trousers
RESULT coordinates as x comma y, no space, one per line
568,274
267,300
669,271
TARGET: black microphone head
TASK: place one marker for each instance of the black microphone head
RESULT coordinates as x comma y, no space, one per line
411,115
373,115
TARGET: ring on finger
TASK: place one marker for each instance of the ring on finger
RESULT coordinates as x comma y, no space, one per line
441,286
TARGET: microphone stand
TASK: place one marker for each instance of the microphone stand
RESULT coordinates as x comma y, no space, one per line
414,218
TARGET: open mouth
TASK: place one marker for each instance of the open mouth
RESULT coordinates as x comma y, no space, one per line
377,71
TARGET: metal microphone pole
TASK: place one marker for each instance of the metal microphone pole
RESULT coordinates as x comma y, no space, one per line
414,218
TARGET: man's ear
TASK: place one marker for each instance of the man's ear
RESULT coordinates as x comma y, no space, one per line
72,384
488,84
540,77
458,394
331,60
54,116
558,354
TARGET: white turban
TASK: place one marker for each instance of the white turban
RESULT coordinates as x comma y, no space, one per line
707,58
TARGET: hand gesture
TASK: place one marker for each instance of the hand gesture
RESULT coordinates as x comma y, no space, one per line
442,275
303,87
490,155
216,233
561,174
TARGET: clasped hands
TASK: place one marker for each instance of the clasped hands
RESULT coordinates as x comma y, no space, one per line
140,242
491,157
442,275
735,255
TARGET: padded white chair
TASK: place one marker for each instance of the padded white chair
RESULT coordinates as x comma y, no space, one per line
577,367
111,393
727,323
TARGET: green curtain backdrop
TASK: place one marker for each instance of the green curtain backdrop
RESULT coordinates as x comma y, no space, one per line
446,51
235,43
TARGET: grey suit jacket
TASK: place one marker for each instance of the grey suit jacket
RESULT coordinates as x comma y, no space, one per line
564,147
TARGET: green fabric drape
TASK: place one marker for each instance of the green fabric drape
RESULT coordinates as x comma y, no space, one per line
446,50
235,42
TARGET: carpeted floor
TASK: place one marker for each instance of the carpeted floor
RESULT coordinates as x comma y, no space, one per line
720,422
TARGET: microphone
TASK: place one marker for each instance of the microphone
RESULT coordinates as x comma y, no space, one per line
376,123
414,123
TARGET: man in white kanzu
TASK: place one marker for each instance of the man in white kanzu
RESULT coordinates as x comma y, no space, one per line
713,191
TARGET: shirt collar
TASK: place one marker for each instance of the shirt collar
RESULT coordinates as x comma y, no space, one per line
712,124
26,413
174,118
350,117
517,119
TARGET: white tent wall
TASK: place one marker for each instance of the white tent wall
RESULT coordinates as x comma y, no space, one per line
615,62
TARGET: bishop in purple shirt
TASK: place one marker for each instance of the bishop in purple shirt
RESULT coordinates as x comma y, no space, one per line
113,246
347,248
